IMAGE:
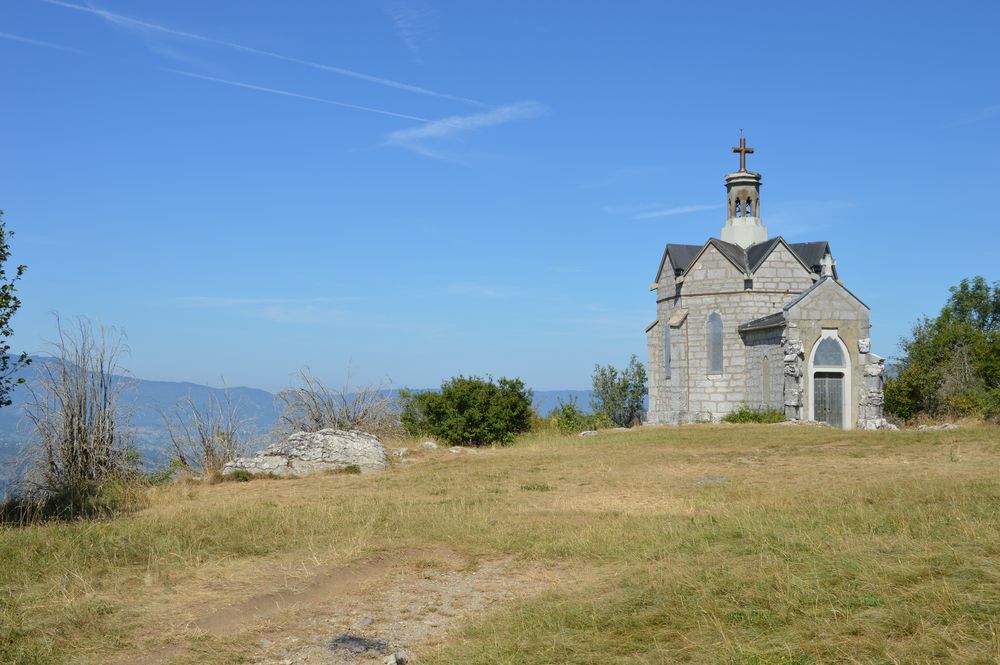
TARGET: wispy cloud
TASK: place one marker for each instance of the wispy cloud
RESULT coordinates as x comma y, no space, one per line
565,269
798,217
678,210
286,93
481,290
412,26
39,42
625,175
978,116
416,138
302,314
134,23
217,301
322,310
630,208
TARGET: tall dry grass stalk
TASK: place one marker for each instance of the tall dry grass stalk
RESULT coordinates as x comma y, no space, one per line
313,406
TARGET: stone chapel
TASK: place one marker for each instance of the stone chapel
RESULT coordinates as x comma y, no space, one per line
747,320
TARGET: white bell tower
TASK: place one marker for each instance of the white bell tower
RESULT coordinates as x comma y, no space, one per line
743,226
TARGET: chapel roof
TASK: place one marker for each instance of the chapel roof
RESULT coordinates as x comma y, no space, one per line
748,260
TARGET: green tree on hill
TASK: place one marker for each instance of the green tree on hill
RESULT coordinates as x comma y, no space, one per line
951,363
619,394
9,304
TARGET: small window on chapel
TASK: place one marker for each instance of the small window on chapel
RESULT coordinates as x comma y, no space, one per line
714,339
747,284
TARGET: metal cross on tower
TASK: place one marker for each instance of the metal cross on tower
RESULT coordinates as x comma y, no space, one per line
744,151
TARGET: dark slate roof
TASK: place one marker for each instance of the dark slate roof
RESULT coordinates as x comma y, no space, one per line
799,298
734,253
811,253
769,321
749,259
681,256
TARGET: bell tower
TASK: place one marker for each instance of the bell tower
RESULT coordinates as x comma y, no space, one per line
743,226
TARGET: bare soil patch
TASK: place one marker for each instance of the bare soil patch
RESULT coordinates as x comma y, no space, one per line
359,613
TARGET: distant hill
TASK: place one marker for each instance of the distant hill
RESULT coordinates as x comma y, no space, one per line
148,399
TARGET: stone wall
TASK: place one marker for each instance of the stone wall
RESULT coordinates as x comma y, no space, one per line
654,365
714,284
765,389
781,271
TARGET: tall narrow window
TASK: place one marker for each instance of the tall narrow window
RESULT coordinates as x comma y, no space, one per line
765,382
666,351
714,339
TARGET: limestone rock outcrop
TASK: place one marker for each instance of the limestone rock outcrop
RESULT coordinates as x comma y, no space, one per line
311,452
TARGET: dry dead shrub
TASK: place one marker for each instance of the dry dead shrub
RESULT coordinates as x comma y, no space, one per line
82,452
205,438
313,406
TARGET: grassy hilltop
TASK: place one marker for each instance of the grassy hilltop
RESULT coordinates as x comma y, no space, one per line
700,544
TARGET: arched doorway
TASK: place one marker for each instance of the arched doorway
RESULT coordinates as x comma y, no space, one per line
830,378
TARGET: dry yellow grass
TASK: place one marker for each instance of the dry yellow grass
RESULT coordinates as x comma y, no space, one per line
742,544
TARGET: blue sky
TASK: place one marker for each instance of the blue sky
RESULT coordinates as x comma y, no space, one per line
421,189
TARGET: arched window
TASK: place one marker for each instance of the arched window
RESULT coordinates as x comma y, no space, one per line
738,204
714,343
748,207
828,354
666,351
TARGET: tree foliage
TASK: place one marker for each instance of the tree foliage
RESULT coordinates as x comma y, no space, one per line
469,411
951,363
9,304
619,394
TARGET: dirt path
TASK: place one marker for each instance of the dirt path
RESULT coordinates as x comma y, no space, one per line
365,612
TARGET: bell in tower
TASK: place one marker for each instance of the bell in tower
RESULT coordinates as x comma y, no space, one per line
743,226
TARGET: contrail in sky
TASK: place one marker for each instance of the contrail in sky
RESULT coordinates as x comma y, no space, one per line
126,20
285,93
39,42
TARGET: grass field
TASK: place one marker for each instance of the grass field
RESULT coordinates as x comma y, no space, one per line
744,544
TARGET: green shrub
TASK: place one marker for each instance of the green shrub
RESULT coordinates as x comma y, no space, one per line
469,411
569,418
163,476
241,476
747,414
350,469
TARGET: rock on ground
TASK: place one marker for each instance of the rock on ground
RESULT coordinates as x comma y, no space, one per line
311,452
945,426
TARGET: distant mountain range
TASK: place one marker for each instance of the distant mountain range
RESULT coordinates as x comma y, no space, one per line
148,399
